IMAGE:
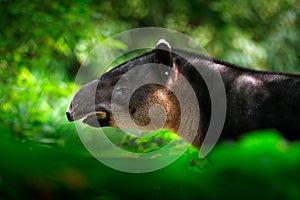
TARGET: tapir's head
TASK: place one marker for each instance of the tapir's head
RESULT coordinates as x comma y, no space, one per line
93,102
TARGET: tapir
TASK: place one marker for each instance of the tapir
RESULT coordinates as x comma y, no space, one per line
254,99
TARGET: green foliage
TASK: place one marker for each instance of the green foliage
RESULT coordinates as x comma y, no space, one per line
260,166
146,142
268,166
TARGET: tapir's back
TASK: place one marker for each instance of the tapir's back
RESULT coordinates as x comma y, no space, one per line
262,100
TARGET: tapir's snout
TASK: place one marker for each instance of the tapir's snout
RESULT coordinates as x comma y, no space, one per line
87,106
69,116
72,115
94,118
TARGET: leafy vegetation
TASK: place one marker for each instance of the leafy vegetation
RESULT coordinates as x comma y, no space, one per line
43,45
261,165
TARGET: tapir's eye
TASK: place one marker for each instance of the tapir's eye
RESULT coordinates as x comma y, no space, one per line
167,73
124,91
123,87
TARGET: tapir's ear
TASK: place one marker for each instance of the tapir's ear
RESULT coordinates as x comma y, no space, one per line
163,52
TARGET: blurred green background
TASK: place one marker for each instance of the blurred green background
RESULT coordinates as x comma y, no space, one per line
42,45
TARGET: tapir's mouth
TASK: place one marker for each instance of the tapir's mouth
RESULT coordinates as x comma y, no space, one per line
97,119
94,119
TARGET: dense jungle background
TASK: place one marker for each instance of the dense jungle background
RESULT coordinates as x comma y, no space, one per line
42,46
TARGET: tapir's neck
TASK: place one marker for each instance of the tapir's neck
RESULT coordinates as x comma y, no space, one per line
193,72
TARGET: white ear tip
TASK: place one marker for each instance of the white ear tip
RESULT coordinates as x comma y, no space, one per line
163,41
